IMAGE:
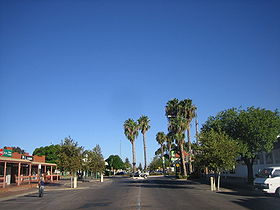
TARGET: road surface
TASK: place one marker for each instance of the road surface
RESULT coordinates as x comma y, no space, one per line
152,193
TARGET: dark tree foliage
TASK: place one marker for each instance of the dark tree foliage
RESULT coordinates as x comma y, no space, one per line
255,129
51,152
115,162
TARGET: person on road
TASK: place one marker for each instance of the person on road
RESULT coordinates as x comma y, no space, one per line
41,186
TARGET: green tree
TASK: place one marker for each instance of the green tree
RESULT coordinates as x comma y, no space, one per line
255,129
161,138
94,160
140,167
144,126
212,153
70,156
131,132
156,163
127,164
115,162
51,152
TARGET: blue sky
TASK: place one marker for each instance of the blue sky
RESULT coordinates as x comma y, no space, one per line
81,68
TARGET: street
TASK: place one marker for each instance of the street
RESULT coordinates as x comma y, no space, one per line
152,193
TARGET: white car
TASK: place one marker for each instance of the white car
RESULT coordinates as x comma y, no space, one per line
268,180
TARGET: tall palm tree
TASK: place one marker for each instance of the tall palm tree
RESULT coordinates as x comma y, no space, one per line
161,138
131,132
169,141
143,123
172,108
177,127
188,111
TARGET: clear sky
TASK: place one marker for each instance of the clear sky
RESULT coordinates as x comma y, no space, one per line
81,68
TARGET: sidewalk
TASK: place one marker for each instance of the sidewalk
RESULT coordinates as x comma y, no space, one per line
16,191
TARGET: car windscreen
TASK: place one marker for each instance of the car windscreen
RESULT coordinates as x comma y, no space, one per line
265,173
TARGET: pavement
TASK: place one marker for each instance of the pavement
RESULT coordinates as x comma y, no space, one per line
13,192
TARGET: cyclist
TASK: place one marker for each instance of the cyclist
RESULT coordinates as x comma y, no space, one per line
41,186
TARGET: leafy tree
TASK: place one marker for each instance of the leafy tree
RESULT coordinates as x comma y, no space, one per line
156,163
131,132
161,138
70,156
127,164
255,129
212,153
51,152
140,167
144,126
115,162
94,160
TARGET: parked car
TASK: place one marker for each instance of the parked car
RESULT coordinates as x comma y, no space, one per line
268,180
140,174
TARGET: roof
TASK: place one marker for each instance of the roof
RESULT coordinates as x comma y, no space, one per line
17,160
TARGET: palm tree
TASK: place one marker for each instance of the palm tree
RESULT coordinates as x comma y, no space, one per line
161,138
143,123
169,141
131,132
172,108
177,127
188,111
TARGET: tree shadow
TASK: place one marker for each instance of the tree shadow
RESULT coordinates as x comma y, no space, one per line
258,203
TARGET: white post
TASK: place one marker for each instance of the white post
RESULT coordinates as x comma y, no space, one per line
219,179
211,183
75,182
101,177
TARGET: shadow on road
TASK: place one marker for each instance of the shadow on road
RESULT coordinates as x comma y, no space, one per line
258,203
161,183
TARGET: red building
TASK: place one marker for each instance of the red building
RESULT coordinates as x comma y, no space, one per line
17,169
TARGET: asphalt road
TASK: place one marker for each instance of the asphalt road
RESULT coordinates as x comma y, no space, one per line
152,193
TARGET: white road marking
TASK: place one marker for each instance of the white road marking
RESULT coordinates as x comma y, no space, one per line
139,198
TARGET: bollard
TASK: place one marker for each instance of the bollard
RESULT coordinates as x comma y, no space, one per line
75,182
101,177
212,183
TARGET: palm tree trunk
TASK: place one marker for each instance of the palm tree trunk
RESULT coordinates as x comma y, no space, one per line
169,154
190,150
133,158
183,162
145,152
162,157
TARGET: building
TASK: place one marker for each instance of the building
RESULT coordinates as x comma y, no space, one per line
263,160
18,169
